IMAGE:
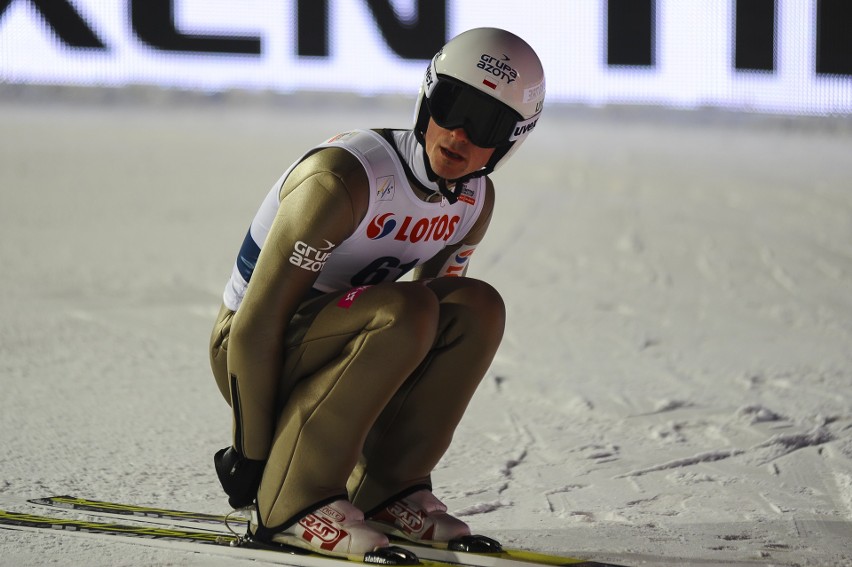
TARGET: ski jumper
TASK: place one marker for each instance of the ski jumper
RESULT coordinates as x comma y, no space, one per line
346,381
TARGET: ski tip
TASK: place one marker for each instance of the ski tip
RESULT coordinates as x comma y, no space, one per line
391,555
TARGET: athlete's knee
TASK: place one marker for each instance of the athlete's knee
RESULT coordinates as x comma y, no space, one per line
486,301
412,309
474,300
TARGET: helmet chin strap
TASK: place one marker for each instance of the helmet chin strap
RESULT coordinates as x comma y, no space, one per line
451,195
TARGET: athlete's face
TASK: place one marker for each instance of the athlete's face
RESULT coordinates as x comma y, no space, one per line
452,154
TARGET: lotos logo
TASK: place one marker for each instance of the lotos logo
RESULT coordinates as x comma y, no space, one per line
380,226
436,228
456,265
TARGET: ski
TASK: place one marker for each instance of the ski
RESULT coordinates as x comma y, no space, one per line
226,525
195,541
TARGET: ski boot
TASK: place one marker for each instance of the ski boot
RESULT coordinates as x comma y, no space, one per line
423,519
337,529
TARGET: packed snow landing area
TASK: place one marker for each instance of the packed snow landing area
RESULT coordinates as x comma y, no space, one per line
675,384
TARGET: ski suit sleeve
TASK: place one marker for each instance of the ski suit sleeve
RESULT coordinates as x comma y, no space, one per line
454,260
322,202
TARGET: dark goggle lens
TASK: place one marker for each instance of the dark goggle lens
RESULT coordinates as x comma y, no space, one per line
487,122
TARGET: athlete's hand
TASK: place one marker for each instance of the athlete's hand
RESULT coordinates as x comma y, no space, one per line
240,477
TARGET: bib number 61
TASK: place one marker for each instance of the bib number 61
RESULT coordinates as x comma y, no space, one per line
379,269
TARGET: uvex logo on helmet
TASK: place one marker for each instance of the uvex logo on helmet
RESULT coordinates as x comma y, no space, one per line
526,127
410,229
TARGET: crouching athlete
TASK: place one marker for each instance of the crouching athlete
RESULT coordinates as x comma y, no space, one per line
346,384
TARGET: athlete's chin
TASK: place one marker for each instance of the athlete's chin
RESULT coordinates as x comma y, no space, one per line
450,174
449,169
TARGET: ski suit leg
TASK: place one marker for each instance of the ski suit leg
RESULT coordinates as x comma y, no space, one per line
347,360
219,351
417,426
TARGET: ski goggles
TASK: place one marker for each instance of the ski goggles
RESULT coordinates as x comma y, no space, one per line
488,122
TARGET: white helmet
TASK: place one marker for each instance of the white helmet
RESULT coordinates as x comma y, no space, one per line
488,81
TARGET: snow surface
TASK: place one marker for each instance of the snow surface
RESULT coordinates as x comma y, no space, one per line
675,384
